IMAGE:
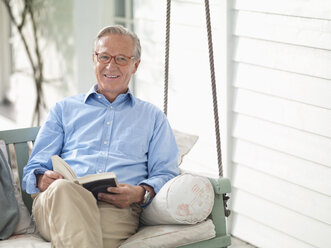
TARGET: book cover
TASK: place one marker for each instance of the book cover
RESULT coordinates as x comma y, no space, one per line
96,183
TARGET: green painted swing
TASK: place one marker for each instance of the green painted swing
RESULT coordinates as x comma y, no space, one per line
20,138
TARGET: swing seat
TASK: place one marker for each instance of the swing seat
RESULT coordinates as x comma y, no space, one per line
208,233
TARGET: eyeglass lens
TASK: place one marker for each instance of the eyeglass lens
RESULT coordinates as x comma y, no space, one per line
119,59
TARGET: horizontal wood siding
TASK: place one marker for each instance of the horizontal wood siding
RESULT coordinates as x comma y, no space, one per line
281,134
281,219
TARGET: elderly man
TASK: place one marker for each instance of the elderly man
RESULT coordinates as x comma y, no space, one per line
106,129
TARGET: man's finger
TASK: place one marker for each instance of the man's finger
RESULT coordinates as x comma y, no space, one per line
53,174
121,189
115,190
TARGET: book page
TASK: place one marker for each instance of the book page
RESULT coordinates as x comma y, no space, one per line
96,177
60,166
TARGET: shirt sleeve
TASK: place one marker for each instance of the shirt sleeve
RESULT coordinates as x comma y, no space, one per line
48,142
162,155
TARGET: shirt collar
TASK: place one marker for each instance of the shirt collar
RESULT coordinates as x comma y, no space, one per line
119,98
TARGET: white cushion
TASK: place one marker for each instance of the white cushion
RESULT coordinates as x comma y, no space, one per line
25,241
185,142
185,199
25,223
170,235
147,236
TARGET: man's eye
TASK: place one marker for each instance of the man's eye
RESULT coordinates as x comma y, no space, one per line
104,57
121,58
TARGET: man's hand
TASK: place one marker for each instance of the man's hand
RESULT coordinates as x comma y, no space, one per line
123,195
43,181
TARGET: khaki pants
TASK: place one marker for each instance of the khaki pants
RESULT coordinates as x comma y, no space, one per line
69,216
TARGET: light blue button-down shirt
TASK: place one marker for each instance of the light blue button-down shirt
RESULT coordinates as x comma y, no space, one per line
129,137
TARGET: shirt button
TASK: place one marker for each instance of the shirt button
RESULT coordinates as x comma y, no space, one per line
111,107
99,97
108,123
99,171
105,142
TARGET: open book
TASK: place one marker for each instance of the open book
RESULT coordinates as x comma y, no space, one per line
96,183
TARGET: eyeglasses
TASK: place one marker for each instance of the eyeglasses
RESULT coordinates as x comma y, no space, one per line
105,58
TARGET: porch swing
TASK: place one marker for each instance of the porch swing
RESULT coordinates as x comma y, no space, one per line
19,140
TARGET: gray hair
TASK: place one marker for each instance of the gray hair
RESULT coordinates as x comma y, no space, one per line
117,29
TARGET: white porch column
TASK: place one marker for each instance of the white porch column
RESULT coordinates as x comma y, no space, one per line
4,51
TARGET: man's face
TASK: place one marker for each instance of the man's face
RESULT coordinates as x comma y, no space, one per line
114,79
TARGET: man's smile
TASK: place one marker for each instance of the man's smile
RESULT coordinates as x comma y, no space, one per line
111,76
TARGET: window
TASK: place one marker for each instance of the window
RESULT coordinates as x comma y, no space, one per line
124,13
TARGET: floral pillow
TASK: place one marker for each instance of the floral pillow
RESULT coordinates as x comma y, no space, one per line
185,199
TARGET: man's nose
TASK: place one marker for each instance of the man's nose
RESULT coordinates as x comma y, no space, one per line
111,63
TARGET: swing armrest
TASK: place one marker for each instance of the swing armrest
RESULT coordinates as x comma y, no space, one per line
221,185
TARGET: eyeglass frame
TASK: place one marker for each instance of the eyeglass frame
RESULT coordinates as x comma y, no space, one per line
111,57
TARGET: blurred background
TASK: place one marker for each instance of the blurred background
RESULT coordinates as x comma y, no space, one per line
272,61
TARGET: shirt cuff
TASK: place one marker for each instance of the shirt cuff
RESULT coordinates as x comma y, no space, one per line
31,181
155,183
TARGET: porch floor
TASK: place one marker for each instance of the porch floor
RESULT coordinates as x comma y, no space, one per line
237,243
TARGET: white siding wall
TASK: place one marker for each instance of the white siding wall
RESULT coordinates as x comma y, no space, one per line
282,122
190,101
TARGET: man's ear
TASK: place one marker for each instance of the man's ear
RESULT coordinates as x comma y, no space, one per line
136,65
